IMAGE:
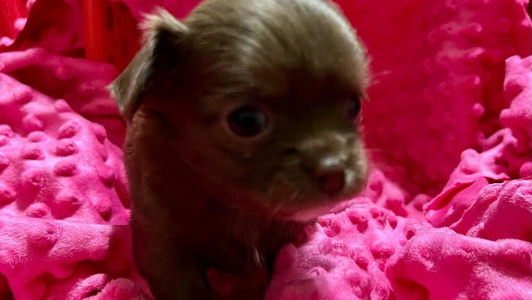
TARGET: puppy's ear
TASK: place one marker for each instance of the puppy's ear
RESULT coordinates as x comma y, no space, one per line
161,52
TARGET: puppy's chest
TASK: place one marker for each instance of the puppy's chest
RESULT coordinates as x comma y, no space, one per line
249,239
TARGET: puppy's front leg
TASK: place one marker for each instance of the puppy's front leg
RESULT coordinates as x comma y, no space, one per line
172,272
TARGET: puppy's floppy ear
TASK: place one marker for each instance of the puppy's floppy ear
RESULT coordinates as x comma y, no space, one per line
163,36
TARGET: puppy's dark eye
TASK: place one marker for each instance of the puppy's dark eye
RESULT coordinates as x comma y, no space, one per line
247,121
353,107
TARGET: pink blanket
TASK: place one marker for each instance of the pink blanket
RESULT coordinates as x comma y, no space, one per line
447,213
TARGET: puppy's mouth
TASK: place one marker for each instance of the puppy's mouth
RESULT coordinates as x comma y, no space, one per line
309,199
303,214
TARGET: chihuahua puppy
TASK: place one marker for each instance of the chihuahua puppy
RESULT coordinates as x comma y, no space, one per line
243,127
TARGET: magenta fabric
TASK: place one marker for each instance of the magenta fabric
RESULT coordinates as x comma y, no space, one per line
447,213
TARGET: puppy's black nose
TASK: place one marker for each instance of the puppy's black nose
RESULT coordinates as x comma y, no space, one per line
331,179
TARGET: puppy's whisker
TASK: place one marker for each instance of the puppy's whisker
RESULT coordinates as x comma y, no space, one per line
294,195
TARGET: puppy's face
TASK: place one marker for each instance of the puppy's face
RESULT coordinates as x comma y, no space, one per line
261,100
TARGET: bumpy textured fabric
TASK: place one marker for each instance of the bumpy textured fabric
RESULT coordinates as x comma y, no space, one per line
447,213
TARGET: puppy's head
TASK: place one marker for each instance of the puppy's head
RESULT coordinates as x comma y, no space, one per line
259,99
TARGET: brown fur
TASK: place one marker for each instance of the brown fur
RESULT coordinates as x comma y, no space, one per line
205,198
